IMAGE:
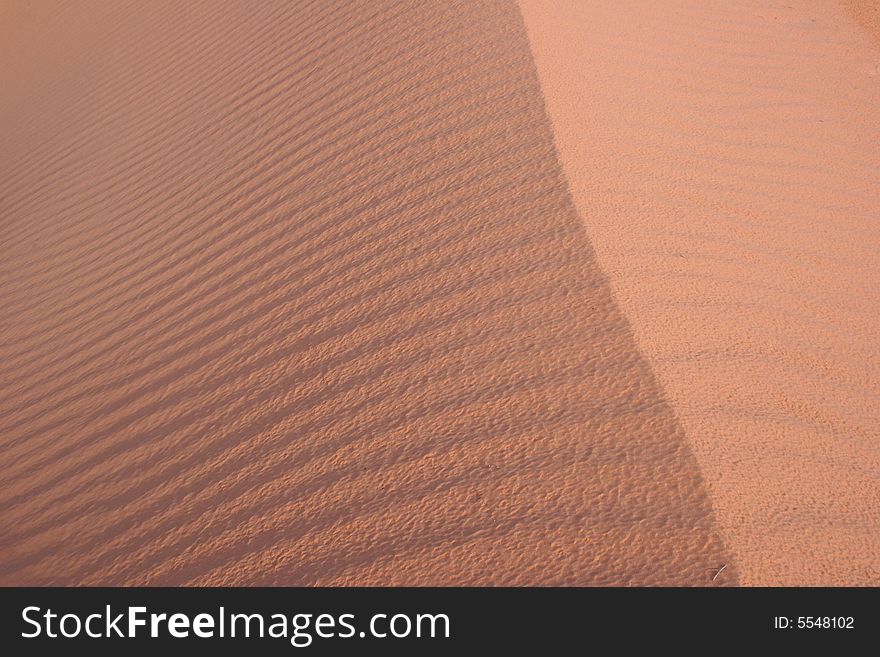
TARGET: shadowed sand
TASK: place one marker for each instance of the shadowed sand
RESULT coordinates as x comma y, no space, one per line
725,157
294,293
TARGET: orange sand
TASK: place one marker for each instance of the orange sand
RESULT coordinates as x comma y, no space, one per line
295,293
866,13
725,159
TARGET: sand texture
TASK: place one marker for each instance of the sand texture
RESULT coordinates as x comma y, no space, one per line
725,159
295,293
461,292
867,14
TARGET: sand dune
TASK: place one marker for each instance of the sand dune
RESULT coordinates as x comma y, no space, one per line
725,160
295,293
439,293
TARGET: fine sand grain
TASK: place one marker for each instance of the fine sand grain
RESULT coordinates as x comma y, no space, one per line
867,14
725,159
295,293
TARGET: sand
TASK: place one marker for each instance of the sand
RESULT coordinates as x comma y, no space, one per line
297,294
866,13
467,292
725,160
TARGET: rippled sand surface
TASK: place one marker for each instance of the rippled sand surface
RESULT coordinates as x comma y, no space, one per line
296,293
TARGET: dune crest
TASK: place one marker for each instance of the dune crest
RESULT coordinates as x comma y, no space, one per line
295,293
